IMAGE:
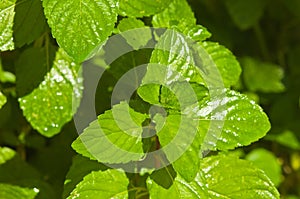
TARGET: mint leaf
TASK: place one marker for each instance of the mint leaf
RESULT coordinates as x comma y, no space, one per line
266,161
225,61
7,14
106,184
6,154
245,13
241,180
2,99
261,76
136,39
140,8
116,137
230,121
29,22
12,192
286,138
30,71
80,25
185,22
181,132
17,26
49,106
77,172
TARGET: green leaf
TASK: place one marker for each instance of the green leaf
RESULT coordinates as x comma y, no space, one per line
29,21
2,99
245,13
31,72
220,177
260,76
231,120
181,132
266,161
286,138
6,24
116,137
81,25
135,38
12,192
78,171
22,21
140,8
6,154
49,106
104,184
175,54
185,22
225,61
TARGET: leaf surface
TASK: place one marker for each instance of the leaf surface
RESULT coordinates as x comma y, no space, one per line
140,8
49,106
241,180
116,137
79,26
106,184
12,192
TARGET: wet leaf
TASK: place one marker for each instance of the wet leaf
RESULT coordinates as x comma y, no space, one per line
6,25
241,180
49,106
230,120
79,26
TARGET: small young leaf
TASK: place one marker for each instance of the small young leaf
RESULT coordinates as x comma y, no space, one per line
260,76
49,106
103,184
245,13
240,180
80,25
140,8
6,154
230,121
266,161
116,137
2,99
12,192
286,138
225,61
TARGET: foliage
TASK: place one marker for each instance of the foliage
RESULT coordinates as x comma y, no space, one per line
239,140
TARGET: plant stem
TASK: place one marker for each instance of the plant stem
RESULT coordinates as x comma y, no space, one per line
262,42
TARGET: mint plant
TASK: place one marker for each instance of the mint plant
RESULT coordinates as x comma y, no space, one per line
177,136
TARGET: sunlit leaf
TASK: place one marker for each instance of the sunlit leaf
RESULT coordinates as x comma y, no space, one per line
49,106
104,184
140,8
240,180
116,137
12,192
81,25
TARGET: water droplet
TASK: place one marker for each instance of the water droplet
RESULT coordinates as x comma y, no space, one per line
36,190
45,129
